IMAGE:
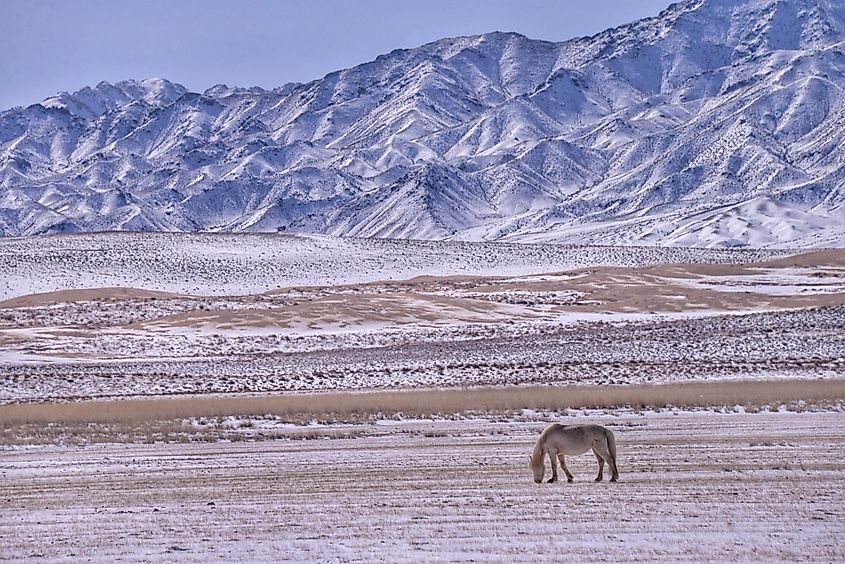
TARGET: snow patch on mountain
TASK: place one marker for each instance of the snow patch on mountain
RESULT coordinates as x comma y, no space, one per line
715,123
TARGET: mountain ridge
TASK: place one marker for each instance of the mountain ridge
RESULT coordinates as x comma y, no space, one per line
714,123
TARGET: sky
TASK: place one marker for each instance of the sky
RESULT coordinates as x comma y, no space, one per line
47,46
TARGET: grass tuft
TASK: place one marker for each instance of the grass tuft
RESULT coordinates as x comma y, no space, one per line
204,418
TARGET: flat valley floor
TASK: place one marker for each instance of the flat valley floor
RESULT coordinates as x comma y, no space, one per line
118,315
700,486
95,326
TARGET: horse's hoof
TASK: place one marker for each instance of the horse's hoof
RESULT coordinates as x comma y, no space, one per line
570,480
613,479
598,479
551,481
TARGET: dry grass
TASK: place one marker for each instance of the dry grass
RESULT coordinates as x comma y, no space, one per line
357,406
228,418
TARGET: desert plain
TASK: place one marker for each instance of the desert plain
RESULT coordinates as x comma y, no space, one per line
260,397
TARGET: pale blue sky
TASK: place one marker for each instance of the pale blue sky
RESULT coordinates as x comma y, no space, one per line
49,46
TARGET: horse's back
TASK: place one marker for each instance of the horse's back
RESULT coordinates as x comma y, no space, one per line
579,429
574,439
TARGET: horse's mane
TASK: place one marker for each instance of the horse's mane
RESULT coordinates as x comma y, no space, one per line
537,455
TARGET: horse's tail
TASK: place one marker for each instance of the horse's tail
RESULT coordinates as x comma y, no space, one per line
611,444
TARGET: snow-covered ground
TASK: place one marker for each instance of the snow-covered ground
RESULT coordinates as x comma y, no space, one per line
714,123
322,322
226,264
693,487
781,282
128,315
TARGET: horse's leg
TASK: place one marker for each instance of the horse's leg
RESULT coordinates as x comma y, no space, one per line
600,460
569,477
601,451
614,473
553,460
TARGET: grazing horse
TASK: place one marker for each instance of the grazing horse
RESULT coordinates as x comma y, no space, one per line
558,440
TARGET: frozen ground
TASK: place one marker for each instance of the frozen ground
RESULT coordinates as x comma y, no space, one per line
640,323
792,344
120,315
693,487
235,265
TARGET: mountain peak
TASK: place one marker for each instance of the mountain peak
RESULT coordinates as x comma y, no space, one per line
153,91
712,123
91,103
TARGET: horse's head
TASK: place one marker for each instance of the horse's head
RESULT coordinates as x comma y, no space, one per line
538,468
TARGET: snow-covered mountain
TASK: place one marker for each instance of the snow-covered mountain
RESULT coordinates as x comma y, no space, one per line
715,123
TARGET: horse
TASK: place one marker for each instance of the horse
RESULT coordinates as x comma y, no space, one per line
558,440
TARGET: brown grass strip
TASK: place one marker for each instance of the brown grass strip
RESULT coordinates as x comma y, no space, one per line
421,403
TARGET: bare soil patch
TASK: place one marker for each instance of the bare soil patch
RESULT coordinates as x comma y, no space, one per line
652,323
84,295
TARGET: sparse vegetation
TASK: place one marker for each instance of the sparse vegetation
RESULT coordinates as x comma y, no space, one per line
764,487
235,417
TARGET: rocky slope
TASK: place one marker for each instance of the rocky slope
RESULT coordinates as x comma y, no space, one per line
715,123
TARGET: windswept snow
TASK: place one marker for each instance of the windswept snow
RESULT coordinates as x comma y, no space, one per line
145,314
717,123
240,264
693,487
